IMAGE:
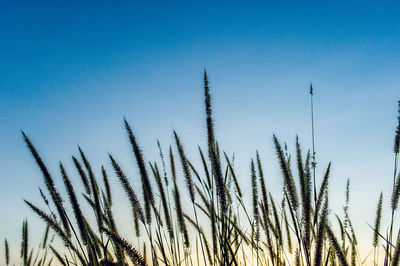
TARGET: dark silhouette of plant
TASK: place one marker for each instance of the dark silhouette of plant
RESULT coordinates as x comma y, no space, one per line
217,208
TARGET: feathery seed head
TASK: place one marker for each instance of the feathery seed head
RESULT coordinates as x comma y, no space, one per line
287,178
146,186
185,167
397,135
48,179
378,219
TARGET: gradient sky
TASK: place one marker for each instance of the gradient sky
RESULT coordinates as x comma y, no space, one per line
70,71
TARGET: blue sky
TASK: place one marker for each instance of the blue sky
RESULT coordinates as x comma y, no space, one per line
70,71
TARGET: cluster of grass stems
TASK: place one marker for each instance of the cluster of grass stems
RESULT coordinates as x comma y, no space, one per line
214,226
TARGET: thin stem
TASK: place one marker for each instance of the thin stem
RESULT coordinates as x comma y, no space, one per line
198,230
392,217
313,164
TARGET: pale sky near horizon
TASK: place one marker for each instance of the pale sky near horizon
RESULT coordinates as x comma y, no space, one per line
70,72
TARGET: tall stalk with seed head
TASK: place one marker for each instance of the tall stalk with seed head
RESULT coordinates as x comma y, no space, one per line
313,163
378,219
396,183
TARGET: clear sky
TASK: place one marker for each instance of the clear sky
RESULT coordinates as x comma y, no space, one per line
70,71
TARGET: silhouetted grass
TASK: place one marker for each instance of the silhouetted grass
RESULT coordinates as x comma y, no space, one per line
219,228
